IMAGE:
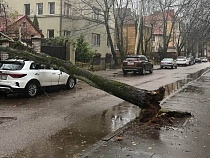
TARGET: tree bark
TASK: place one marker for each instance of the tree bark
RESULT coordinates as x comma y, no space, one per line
148,101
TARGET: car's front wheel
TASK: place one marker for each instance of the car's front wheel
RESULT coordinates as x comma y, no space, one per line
125,72
143,71
151,70
31,89
70,83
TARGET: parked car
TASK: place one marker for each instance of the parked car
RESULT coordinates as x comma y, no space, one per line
17,75
137,63
204,59
197,60
182,60
168,63
191,60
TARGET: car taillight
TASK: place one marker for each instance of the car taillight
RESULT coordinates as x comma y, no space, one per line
17,75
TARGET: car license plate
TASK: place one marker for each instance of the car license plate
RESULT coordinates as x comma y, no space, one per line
130,63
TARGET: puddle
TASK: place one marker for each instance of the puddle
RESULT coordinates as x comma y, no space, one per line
172,87
80,136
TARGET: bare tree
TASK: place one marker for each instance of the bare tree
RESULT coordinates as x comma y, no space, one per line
103,9
3,12
197,27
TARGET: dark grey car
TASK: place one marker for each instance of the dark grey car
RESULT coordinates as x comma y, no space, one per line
137,63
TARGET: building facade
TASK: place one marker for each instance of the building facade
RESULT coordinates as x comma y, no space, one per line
68,18
172,31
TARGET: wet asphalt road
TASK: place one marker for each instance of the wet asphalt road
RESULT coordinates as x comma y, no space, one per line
64,123
190,139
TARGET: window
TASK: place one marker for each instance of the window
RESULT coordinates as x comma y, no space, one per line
67,9
12,66
39,8
153,38
96,13
50,33
67,33
51,7
107,42
27,9
95,39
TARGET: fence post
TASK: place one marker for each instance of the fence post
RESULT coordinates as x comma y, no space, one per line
36,43
70,52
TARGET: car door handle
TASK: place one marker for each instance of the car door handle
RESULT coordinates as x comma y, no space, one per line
36,73
53,73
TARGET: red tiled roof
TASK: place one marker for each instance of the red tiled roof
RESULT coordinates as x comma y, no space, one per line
157,19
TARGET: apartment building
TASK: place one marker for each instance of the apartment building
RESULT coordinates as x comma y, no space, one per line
65,18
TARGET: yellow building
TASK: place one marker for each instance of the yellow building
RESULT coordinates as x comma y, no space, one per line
65,18
129,35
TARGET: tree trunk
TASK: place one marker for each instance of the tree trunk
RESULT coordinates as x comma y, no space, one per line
148,101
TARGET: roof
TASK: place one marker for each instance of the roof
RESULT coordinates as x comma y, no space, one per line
157,20
29,20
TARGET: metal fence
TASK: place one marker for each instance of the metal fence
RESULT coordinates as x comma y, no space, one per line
100,63
55,51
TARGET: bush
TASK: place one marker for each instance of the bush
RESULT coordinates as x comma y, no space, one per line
83,51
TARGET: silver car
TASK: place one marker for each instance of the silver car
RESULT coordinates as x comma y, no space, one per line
168,63
182,61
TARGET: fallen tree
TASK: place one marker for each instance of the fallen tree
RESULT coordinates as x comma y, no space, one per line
148,101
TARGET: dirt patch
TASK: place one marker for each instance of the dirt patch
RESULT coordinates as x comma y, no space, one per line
167,120
170,118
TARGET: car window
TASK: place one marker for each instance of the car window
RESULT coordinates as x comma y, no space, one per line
131,59
181,57
143,58
33,66
11,66
167,59
136,58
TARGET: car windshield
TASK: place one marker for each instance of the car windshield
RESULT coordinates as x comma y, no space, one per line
181,57
135,58
11,66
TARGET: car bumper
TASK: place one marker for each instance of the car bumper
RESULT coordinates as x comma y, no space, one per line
132,68
166,65
182,63
9,89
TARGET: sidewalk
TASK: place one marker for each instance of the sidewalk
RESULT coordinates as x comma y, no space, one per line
190,139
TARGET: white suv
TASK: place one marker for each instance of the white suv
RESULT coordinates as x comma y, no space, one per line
29,77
